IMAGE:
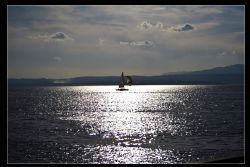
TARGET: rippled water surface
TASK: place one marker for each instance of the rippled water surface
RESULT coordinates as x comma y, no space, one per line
147,124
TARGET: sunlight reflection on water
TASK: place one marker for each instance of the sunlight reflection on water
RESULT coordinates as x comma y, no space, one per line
130,121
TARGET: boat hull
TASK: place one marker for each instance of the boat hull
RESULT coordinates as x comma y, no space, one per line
121,89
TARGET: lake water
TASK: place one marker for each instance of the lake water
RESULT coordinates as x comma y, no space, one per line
147,124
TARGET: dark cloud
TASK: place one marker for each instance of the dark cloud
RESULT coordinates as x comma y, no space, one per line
58,37
185,27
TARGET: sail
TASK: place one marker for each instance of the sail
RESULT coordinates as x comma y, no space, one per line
125,80
122,82
129,80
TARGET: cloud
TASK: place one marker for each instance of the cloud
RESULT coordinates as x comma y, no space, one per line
225,53
146,25
57,59
101,41
138,43
185,27
222,53
60,36
57,37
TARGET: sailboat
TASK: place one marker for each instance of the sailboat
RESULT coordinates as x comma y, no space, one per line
124,80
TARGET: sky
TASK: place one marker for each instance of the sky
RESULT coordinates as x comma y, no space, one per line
72,41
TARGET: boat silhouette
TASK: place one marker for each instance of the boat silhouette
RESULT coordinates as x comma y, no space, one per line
124,80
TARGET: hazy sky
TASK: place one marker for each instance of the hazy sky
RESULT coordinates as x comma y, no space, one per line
70,41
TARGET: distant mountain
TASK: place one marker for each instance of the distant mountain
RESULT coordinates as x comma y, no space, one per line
233,74
233,69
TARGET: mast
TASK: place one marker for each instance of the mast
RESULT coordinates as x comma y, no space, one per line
122,78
